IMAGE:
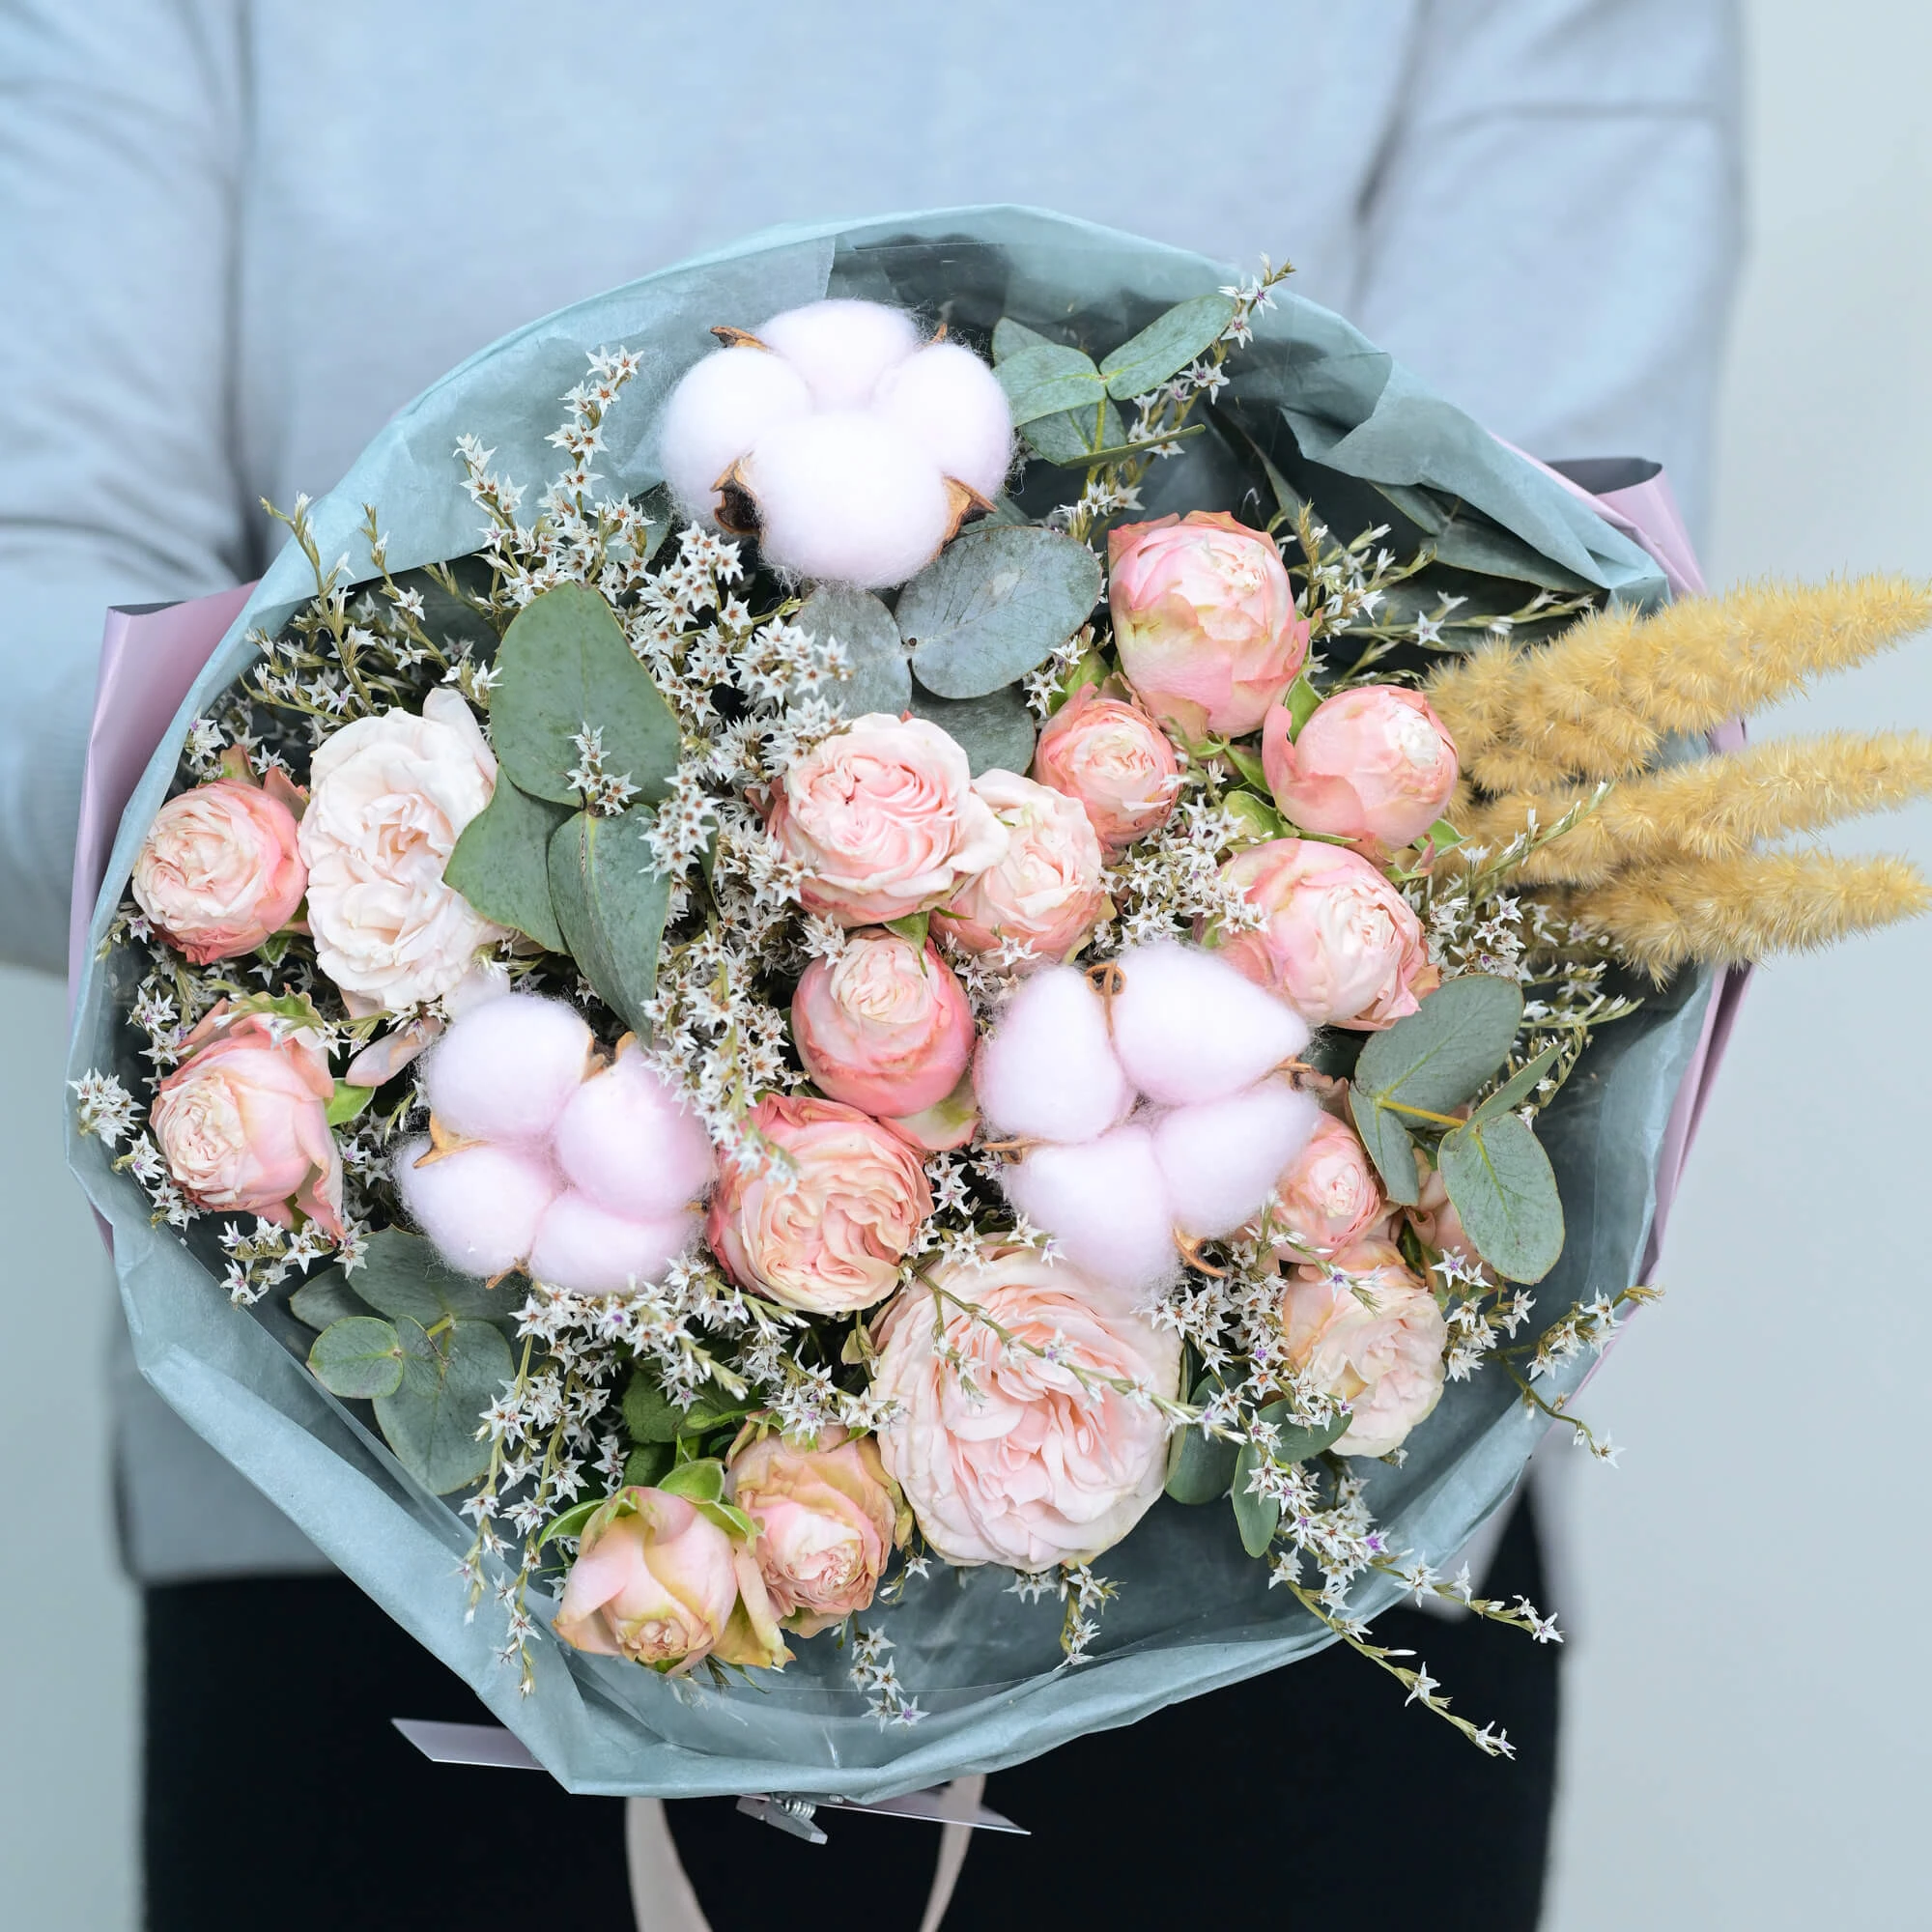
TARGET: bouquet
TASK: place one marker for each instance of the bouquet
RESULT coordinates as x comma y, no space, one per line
959,1016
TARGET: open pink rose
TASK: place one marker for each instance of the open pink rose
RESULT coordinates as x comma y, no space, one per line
242,1121
1048,888
1031,1466
218,871
1371,763
1382,1356
884,818
1116,760
1204,620
826,1517
885,1027
828,1235
657,1580
1330,1194
1339,944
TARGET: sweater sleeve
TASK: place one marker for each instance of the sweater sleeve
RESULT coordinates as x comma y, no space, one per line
1553,234
120,137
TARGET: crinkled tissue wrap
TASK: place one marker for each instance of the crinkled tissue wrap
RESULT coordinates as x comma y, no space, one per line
1194,1612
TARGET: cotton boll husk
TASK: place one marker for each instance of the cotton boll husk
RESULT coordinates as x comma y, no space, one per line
505,1070
586,1249
1188,1027
1104,1203
841,348
480,1205
1047,1070
847,498
1221,1160
625,1141
719,409
954,407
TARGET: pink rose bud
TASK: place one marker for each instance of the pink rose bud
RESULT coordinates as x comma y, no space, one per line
1379,1350
1047,890
657,1580
885,820
1339,943
1371,763
1204,620
242,1121
1116,760
827,1232
220,869
827,1520
1328,1195
1435,1219
885,1027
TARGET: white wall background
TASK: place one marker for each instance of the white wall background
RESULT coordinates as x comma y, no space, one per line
1736,1753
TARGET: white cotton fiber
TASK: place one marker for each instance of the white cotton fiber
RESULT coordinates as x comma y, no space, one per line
1046,1070
505,1069
479,1206
1104,1202
627,1143
1220,1159
583,1248
951,405
1187,1027
719,409
847,498
841,348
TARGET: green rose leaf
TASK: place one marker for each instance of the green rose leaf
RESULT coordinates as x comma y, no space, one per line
995,731
1389,1148
1500,1183
646,1464
1256,1517
611,907
357,1358
564,664
1166,346
1517,1089
403,1276
1440,1054
879,679
501,863
1045,378
326,1297
651,1417
448,1380
345,1102
993,604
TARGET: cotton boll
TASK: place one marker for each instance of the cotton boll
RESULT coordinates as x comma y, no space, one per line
719,409
480,1206
585,1248
841,348
1046,1071
1221,1160
1188,1027
1104,1203
952,406
847,498
505,1069
626,1142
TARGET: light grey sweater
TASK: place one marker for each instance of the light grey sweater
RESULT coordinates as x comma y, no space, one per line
236,235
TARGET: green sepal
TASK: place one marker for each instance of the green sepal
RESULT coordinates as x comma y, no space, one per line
701,1481
912,928
345,1102
1249,764
571,1521
729,1519
1302,700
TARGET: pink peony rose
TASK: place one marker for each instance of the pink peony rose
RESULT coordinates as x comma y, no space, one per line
388,798
828,1236
1032,1467
827,1520
1330,1194
242,1121
885,820
885,1027
1204,620
1435,1218
1339,944
218,871
1049,887
1371,763
657,1580
1386,1361
1116,760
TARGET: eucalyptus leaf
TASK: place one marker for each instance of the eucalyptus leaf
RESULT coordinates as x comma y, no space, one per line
1010,336
1045,378
651,1417
448,1380
326,1297
402,1275
1389,1148
1256,1517
879,679
647,1463
698,1482
1067,439
564,664
1500,1183
993,605
1200,1468
612,907
345,1102
1517,1088
357,1358
995,731
501,863
1295,1442
1166,346
1441,1053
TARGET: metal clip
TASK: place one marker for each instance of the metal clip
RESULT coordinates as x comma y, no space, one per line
787,1812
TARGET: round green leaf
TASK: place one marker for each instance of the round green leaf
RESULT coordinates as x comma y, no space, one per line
995,731
1390,1147
449,1379
1198,1467
1256,1517
874,651
1500,1181
611,906
402,1275
1044,377
1167,345
326,1297
501,863
357,1358
1441,1053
